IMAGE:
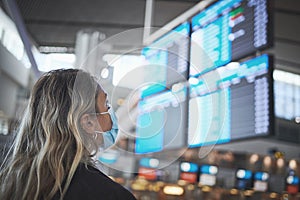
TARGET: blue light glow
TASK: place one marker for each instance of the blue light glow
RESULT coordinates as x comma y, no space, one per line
244,174
188,167
261,176
209,169
149,162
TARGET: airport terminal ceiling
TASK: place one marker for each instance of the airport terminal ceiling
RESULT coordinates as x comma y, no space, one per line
55,23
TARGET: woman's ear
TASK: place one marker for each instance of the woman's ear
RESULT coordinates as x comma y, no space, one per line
88,124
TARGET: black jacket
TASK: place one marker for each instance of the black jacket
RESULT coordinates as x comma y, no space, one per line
91,184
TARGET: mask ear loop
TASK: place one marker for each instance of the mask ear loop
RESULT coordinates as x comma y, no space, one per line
96,132
102,113
95,136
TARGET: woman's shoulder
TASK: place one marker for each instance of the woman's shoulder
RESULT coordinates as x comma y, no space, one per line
90,173
90,183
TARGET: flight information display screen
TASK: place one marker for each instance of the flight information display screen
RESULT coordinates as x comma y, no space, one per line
167,57
162,119
231,102
225,100
229,30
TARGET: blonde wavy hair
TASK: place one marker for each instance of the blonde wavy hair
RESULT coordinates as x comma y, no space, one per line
50,142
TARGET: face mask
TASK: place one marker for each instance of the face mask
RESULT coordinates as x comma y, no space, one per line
109,137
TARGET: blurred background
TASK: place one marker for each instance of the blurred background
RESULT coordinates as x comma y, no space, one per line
112,39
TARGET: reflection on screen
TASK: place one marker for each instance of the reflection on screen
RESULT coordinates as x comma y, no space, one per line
167,57
287,95
161,122
209,119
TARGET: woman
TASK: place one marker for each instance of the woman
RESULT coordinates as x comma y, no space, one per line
66,122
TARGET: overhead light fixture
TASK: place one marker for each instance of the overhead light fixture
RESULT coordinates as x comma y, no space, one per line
55,49
105,73
254,158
